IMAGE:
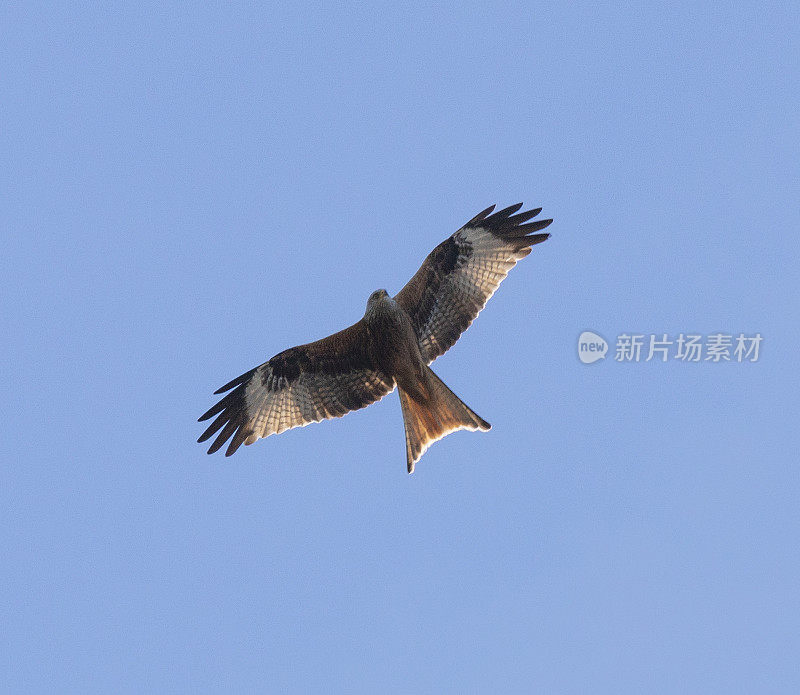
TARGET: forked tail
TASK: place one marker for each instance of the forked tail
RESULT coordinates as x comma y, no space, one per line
428,419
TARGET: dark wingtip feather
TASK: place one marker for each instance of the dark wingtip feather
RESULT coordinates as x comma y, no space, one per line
537,238
507,212
508,225
227,387
235,382
228,412
481,215
524,216
218,407
525,229
223,436
214,426
536,226
523,244
241,434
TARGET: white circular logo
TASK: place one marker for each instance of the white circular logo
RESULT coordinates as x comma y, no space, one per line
591,347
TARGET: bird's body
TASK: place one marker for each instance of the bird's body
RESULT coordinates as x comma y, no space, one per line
430,409
392,345
393,342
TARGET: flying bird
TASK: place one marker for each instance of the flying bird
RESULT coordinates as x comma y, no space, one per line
392,345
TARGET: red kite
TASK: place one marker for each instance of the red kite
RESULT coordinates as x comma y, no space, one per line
392,345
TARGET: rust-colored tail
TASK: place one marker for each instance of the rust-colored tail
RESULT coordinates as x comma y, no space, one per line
428,419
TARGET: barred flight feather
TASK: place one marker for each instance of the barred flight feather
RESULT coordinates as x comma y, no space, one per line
461,274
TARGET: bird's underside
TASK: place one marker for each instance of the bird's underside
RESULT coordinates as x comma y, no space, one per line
392,345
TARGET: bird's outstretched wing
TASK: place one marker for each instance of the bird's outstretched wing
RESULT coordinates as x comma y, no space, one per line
303,384
460,274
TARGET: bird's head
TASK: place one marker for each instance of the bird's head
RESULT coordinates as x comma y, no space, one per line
377,298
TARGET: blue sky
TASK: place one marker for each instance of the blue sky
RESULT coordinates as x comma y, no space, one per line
187,191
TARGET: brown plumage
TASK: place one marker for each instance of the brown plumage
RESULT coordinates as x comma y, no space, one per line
392,345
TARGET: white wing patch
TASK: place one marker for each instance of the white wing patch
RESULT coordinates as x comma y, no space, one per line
469,286
311,398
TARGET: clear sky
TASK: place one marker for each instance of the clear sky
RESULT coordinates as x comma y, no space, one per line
186,191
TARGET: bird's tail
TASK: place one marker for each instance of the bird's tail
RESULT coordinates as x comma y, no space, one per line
430,417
